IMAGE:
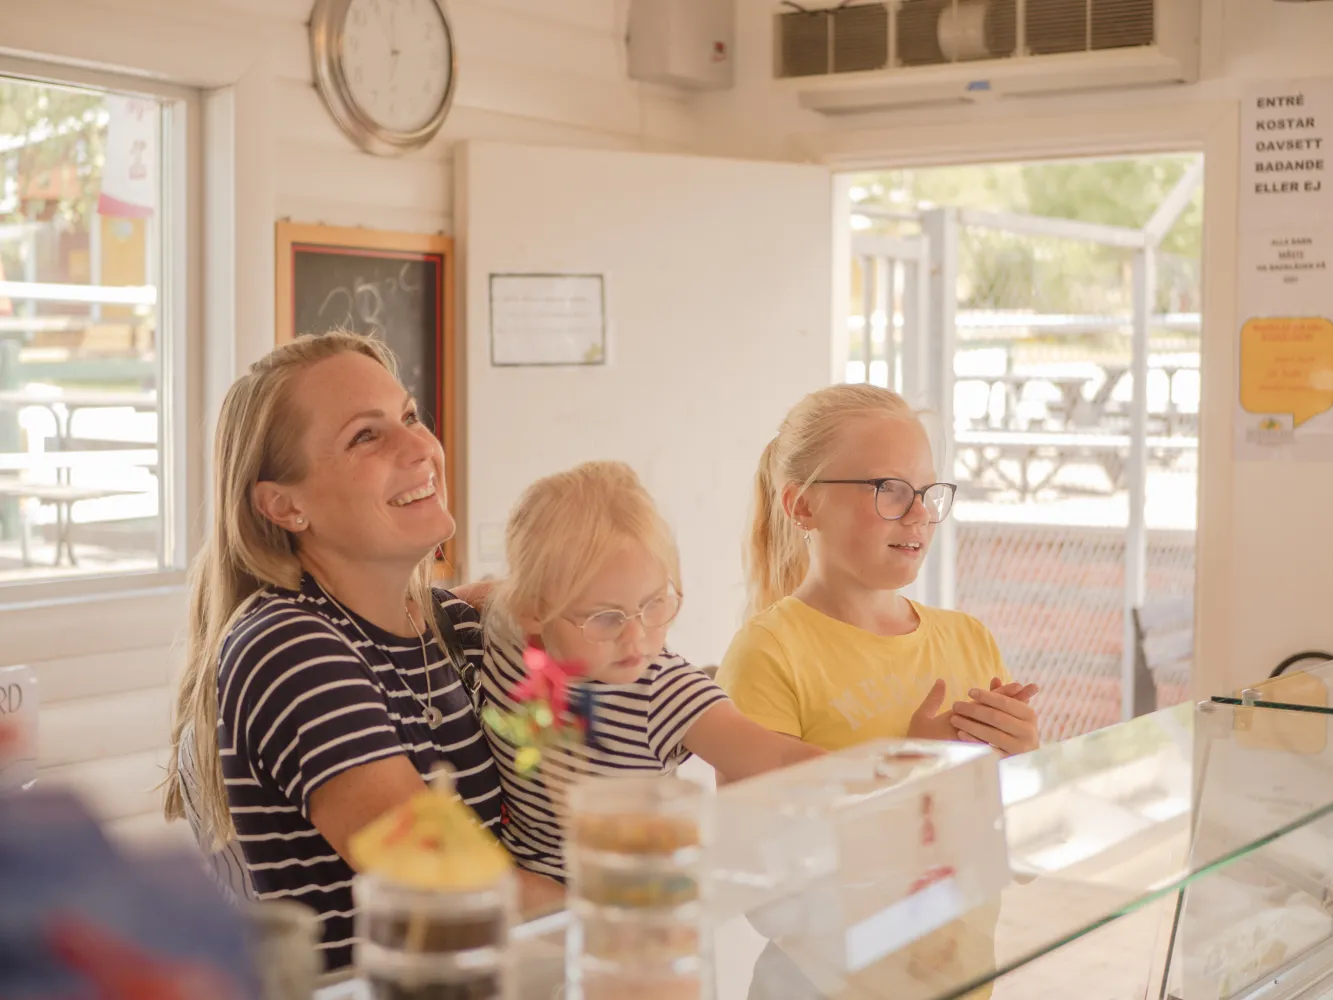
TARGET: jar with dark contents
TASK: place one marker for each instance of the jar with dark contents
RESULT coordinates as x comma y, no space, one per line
433,944
401,976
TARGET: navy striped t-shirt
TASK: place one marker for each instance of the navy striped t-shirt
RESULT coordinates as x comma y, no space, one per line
639,732
303,697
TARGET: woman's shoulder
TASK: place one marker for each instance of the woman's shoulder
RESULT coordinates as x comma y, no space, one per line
277,635
277,621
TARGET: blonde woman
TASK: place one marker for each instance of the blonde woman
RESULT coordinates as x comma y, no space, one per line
846,506
322,681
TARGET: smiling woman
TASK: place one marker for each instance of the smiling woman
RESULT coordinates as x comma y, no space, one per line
323,679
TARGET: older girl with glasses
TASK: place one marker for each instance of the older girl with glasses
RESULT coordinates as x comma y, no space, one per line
846,506
594,578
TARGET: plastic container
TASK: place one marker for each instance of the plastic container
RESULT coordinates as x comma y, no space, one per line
396,975
417,944
635,855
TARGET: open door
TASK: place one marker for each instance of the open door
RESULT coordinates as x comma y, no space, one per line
718,279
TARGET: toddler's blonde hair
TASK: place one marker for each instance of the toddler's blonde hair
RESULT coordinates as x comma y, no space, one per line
562,531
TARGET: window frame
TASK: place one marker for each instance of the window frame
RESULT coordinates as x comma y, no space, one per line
180,312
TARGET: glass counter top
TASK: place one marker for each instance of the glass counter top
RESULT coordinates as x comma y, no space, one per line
1097,828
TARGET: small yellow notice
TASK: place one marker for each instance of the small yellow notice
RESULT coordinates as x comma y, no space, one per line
1286,366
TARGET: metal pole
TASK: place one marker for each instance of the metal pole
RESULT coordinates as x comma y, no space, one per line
941,229
1136,535
869,281
893,268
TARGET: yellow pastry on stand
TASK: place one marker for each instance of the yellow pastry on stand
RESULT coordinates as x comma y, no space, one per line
435,899
432,841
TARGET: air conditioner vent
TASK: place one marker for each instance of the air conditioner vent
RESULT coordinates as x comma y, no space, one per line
847,39
861,37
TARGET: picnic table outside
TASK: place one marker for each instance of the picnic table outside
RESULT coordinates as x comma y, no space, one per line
62,494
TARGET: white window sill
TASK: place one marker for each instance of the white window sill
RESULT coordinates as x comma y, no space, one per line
51,593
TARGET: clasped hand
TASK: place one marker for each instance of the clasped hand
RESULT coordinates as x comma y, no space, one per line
1000,717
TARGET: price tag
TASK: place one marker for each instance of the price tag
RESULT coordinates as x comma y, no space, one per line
18,727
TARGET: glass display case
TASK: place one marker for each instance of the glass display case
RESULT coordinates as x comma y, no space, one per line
1186,854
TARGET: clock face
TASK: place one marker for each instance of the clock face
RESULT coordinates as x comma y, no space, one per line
397,61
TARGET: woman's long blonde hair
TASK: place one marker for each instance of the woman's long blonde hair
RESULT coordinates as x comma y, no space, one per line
259,438
559,535
776,558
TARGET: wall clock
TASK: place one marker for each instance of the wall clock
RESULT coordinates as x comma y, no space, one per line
385,69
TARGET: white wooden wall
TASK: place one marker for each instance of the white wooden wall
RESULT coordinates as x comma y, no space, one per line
103,669
544,71
536,71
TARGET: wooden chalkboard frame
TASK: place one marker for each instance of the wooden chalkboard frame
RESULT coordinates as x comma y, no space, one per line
294,237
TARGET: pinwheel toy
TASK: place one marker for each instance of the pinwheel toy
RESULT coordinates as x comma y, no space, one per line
547,713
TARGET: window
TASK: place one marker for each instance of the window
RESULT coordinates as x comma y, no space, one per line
91,333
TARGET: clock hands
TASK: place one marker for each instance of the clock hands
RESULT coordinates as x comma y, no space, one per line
386,26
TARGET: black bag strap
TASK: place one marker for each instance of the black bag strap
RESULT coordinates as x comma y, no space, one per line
453,647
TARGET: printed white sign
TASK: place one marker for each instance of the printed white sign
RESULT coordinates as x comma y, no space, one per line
1284,294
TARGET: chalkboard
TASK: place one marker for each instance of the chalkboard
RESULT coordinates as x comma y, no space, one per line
394,297
394,286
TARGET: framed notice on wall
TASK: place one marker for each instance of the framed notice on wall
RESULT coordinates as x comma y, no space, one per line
398,287
548,319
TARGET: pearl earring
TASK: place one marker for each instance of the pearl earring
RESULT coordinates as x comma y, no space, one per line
300,521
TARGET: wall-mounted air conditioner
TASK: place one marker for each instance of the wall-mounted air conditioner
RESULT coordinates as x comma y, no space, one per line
847,56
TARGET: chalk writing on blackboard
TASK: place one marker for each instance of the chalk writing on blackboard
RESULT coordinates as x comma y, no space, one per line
363,305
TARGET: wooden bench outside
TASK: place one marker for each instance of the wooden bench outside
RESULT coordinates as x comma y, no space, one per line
1110,451
1163,648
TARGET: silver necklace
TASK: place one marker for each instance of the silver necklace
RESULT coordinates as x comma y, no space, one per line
434,717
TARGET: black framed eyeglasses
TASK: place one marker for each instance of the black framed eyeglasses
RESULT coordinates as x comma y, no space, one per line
894,497
608,626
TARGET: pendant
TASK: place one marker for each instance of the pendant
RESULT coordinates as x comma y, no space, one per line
434,717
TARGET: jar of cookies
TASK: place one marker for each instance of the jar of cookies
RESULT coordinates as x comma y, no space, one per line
635,856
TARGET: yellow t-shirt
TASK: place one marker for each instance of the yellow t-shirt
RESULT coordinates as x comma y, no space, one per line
797,671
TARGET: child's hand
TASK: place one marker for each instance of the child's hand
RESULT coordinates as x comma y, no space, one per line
928,722
1001,717
1014,689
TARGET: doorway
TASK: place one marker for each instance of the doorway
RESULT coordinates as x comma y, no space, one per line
1047,317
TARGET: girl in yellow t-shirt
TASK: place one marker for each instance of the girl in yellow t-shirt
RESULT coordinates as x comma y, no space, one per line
846,506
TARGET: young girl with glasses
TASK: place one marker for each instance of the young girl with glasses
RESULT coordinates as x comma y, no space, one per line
594,579
846,506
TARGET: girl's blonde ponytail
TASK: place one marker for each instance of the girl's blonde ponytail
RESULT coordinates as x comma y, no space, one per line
776,561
